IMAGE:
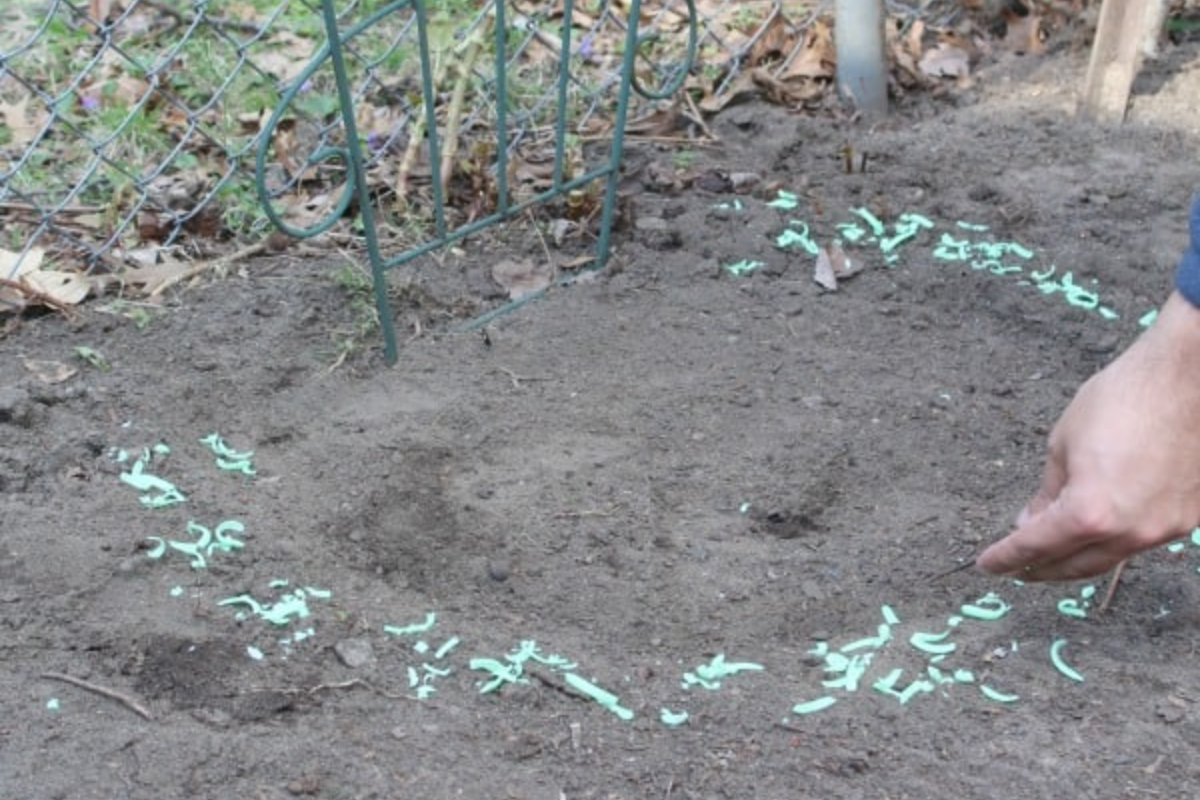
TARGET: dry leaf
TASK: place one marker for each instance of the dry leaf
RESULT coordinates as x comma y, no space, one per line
23,125
151,278
833,265
818,58
1024,34
50,372
773,42
946,61
792,92
523,277
823,271
741,88
68,288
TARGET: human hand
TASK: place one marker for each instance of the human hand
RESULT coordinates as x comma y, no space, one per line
1123,471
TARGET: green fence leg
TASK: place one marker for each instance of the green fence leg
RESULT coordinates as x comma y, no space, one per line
359,177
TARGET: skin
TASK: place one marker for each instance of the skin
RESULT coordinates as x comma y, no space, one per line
1123,469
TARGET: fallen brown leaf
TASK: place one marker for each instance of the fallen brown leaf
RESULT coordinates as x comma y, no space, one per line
522,277
49,372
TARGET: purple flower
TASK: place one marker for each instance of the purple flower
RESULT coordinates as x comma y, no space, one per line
374,142
585,46
89,102
306,86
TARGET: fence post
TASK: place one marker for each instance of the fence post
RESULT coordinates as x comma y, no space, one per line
861,70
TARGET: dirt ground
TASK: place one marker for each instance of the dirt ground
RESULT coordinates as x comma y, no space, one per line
625,484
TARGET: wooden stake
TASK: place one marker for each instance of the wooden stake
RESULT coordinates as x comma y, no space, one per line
1126,31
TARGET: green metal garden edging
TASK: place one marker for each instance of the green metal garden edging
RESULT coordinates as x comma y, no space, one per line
352,157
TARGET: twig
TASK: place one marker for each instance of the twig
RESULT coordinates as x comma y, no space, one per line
356,682
465,68
125,700
1112,586
37,295
216,263
516,379
33,209
541,237
688,140
591,512
415,140
696,117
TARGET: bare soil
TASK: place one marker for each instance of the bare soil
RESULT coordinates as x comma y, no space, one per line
640,472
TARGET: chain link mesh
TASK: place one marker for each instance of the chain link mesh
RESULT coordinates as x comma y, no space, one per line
130,123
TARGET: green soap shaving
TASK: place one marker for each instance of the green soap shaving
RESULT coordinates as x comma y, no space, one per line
501,673
932,643
852,673
416,627
785,200
718,668
1070,607
671,718
988,608
446,647
606,699
743,267
1061,665
873,222
812,706
998,696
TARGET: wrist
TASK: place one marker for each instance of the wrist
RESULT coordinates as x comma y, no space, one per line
1176,332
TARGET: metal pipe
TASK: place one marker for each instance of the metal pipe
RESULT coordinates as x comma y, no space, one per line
861,70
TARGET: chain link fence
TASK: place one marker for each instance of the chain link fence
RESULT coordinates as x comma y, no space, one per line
130,128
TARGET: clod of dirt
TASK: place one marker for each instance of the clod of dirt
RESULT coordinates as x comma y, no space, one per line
14,407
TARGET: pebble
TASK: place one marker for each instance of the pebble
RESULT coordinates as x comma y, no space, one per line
498,571
354,653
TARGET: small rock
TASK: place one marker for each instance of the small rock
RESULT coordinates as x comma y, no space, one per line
307,785
651,224
812,590
354,653
498,570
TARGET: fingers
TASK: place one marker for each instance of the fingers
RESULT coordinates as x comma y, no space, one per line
1053,543
1054,478
1086,563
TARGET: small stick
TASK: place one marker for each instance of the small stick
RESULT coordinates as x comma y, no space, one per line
350,684
516,379
1112,586
37,296
216,263
125,700
450,147
947,573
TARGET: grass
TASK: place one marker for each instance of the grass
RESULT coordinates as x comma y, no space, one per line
356,285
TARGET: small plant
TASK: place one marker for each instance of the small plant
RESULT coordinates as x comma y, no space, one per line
684,158
355,282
